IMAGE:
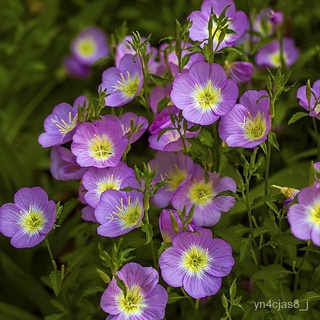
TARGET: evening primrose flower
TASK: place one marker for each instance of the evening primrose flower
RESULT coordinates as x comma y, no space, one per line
97,180
238,22
200,193
144,299
239,71
99,143
314,107
304,216
61,124
197,262
29,219
270,54
89,46
204,93
124,83
247,125
176,168
119,212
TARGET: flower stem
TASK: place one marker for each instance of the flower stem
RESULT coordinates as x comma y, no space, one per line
50,254
267,170
317,136
216,146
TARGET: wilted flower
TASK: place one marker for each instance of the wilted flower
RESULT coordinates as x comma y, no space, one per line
197,262
144,299
29,219
204,93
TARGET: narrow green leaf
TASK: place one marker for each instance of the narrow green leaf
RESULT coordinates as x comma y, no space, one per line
91,291
56,281
297,116
10,312
272,138
148,230
174,297
245,248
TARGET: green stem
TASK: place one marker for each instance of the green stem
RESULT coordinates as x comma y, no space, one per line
267,172
50,254
216,146
27,110
297,275
317,136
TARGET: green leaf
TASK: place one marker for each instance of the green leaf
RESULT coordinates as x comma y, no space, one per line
297,116
148,230
309,297
272,138
269,294
256,314
198,145
233,289
315,278
282,239
60,316
56,281
271,271
104,277
163,103
174,297
91,291
245,248
10,312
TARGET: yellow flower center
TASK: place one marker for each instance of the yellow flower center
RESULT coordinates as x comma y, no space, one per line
101,147
86,47
201,192
276,59
315,214
195,260
207,97
128,86
107,184
255,127
132,303
129,214
32,221
175,177
65,126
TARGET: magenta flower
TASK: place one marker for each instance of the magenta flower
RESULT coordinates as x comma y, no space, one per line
119,212
74,68
29,219
99,144
63,165
304,216
204,93
314,108
61,124
140,125
316,167
247,125
177,168
197,262
145,299
200,192
238,22
97,180
162,120
239,71
269,55
89,46
124,83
